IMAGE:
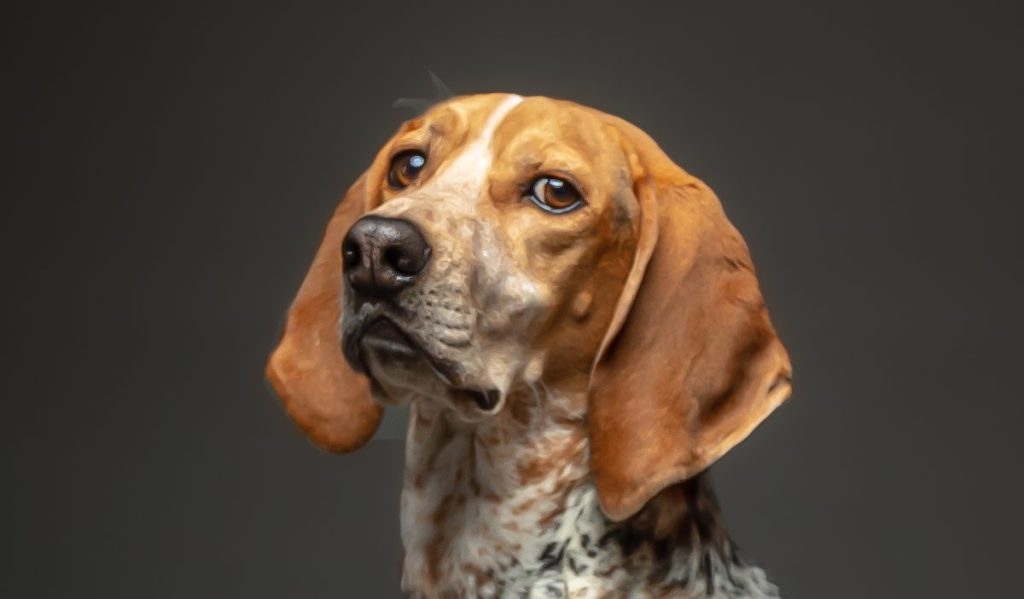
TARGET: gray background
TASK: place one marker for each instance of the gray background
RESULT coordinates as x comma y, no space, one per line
171,167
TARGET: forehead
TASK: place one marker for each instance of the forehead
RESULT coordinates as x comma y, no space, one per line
542,123
536,124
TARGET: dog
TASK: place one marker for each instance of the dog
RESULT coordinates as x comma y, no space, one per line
579,332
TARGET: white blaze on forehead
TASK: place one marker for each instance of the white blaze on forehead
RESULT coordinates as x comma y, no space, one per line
468,172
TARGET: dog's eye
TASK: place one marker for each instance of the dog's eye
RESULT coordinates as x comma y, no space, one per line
405,168
555,195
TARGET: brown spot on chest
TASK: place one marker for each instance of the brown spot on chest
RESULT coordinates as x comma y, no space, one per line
546,460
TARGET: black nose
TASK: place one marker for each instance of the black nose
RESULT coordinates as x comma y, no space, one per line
383,255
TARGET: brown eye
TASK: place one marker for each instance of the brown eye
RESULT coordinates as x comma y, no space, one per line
555,195
405,168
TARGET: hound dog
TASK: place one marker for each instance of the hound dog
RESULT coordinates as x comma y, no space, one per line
579,332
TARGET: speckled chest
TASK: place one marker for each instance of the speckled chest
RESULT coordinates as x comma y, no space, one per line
509,511
492,512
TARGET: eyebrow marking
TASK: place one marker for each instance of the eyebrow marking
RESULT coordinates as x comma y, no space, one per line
468,172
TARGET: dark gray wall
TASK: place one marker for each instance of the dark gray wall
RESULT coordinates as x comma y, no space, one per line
172,166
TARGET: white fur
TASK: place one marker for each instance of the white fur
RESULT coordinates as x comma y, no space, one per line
464,178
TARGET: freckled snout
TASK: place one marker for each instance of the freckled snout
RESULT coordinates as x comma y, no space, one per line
383,255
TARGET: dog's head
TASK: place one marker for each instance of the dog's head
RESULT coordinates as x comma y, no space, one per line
497,243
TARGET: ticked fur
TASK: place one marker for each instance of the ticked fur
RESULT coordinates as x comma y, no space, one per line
507,509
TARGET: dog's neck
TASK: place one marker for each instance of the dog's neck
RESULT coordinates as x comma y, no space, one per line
506,508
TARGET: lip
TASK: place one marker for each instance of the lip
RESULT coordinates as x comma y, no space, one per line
485,399
383,334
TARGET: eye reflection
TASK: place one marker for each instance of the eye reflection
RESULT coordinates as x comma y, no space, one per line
405,168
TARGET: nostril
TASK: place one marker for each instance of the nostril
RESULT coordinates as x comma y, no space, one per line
351,256
404,260
397,259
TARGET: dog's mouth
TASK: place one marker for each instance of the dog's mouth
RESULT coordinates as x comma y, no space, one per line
384,335
393,346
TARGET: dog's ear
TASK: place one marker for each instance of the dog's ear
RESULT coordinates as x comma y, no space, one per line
691,363
325,397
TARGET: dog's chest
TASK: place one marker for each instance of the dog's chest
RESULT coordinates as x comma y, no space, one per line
485,516
501,513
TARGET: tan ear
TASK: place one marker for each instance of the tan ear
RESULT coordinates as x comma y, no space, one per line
691,363
325,397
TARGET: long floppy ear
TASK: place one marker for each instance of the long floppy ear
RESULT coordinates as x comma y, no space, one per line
325,397
691,363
